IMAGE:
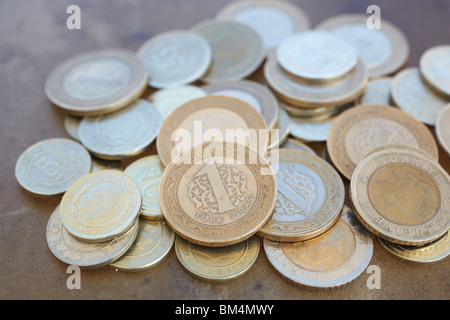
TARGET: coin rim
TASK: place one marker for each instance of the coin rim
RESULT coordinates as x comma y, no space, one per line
427,75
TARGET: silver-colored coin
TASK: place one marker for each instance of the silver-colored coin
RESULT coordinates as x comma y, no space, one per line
71,124
317,56
377,92
175,58
84,254
121,134
311,130
51,166
435,68
293,144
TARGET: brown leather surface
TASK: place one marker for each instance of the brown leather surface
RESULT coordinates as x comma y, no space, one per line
34,39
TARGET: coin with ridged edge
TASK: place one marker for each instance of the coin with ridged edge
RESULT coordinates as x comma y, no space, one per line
72,251
402,196
101,206
310,197
218,264
51,166
328,261
218,194
97,82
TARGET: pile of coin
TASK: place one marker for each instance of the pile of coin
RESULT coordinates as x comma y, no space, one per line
214,197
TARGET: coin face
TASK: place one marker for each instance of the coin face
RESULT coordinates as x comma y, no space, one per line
147,173
299,92
358,130
402,196
152,245
169,99
294,144
383,50
207,119
175,58
100,206
71,124
377,92
330,260
316,55
435,68
123,133
263,15
86,255
97,82
218,264
237,50
254,93
218,194
443,129
428,253
51,166
310,129
412,95
310,196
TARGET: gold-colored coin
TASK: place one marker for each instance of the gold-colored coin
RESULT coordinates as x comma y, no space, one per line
71,124
254,93
218,264
97,82
310,197
304,94
175,58
83,254
358,130
51,166
147,173
442,129
101,206
435,68
152,245
330,260
402,196
263,15
320,112
218,194
169,99
432,252
411,94
283,126
294,144
204,119
237,50
123,133
377,92
383,50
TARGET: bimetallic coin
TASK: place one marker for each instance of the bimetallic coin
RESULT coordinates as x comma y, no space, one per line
147,173
359,130
402,196
330,260
51,166
377,92
167,100
207,119
294,144
432,252
412,95
175,58
305,94
71,124
83,254
97,82
151,247
274,21
317,56
218,264
254,93
310,197
123,133
218,194
435,68
236,48
383,50
283,127
101,206
442,129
